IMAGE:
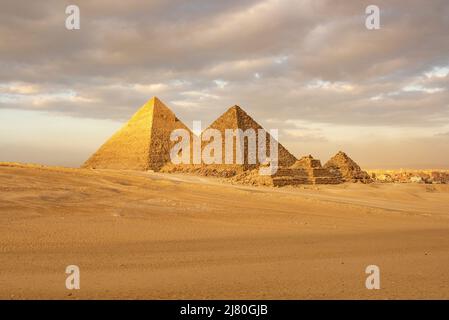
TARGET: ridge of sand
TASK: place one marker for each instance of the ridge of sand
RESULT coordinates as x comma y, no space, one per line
147,235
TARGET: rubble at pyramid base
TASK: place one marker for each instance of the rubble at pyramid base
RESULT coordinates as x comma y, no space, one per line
410,176
213,170
284,177
361,177
307,170
296,175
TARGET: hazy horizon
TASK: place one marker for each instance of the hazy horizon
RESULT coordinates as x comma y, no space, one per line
308,68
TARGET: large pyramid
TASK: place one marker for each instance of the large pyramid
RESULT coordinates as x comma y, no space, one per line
236,118
233,118
143,143
342,165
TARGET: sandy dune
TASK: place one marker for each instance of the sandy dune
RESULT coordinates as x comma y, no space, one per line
159,236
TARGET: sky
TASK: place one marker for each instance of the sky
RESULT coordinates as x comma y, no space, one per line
309,68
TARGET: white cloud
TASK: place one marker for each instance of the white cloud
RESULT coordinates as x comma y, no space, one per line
19,88
437,72
185,104
420,88
281,59
201,95
221,83
328,85
150,88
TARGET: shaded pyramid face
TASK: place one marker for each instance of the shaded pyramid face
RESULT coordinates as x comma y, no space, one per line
143,143
236,118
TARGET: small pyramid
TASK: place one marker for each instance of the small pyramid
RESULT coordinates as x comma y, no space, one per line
315,172
349,171
236,118
143,143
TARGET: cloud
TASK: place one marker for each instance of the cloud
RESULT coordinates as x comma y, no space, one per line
19,88
439,72
420,88
308,60
327,85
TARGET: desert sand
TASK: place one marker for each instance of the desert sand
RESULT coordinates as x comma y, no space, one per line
144,235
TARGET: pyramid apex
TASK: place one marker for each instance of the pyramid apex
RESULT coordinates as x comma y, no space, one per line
155,103
154,99
342,155
238,111
236,108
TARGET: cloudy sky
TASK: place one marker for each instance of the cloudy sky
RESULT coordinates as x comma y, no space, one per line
307,67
